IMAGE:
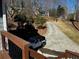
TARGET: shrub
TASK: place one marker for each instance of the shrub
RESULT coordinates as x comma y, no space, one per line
40,21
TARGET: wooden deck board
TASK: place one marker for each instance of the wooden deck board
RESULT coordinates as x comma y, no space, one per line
4,55
0,54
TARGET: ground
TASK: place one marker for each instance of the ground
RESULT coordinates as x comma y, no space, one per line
69,30
57,40
66,27
60,36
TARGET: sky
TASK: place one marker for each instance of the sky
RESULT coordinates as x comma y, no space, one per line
69,3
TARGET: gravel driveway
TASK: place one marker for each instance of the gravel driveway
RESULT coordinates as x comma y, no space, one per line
57,40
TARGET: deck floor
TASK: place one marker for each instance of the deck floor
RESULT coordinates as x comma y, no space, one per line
4,55
1,55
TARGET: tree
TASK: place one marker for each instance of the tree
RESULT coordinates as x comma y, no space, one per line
77,9
60,11
28,7
36,7
55,3
71,16
52,12
22,4
40,21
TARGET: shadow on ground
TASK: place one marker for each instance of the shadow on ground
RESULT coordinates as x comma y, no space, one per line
50,52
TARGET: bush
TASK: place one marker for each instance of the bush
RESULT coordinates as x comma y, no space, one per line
40,21
71,17
20,18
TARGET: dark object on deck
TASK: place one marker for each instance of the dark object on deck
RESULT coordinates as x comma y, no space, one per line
28,33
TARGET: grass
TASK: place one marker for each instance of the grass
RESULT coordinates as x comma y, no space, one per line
69,30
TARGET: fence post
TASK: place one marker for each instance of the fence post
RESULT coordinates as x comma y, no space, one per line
25,52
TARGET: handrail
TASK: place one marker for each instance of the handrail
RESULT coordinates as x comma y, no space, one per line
68,54
19,42
26,51
73,53
36,55
73,22
63,55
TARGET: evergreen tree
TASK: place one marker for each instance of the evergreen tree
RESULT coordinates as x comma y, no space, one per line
60,11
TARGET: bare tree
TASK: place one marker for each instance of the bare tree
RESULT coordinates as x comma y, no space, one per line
77,9
28,7
48,4
35,7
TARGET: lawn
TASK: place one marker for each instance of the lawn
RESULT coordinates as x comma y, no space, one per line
69,30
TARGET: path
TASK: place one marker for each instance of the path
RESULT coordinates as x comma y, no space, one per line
58,41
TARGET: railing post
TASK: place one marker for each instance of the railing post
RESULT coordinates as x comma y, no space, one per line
25,52
3,42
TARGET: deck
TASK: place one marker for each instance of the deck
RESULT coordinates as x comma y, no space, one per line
4,55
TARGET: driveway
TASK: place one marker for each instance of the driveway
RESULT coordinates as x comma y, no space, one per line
57,40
